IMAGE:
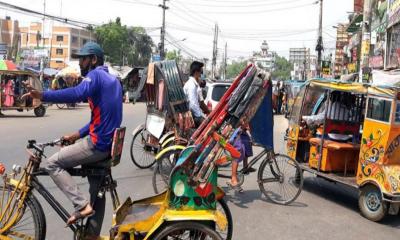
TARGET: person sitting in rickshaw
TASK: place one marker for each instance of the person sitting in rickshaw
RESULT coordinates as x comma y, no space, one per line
339,109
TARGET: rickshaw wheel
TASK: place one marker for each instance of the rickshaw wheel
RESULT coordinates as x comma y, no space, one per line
186,230
371,204
40,111
141,156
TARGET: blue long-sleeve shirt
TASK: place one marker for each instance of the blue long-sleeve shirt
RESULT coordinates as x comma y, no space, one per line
104,94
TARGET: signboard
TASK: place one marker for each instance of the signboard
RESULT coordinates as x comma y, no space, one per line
376,62
393,12
31,57
326,67
156,58
358,6
351,67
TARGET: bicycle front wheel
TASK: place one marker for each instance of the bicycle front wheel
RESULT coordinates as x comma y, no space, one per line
142,156
278,181
29,221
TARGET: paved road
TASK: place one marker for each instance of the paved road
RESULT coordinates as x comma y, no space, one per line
323,210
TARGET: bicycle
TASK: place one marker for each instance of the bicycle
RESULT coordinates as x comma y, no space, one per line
279,177
18,203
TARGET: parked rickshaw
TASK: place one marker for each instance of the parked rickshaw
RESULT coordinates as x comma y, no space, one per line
167,113
349,133
13,86
187,210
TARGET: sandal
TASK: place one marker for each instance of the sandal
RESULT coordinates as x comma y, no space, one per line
77,216
236,187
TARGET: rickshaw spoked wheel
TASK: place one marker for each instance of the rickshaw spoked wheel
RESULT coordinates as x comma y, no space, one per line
187,230
371,203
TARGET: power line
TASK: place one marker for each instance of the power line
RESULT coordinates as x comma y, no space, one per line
11,7
247,4
257,10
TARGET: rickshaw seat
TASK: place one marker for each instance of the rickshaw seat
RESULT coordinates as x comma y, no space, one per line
336,156
141,212
341,127
333,145
97,168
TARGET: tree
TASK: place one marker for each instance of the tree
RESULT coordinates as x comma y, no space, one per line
235,68
124,45
282,68
174,55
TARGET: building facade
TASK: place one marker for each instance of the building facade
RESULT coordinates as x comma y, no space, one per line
9,38
61,43
265,59
300,58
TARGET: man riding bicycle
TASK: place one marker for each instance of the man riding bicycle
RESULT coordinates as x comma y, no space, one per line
104,94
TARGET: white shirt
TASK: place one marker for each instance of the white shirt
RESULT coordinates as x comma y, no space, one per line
337,112
191,89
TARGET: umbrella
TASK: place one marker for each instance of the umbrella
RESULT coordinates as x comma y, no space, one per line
68,71
7,65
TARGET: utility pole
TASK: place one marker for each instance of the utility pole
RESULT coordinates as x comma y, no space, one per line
162,41
366,41
41,59
226,53
320,46
215,52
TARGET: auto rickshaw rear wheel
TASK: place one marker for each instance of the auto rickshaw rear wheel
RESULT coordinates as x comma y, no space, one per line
40,111
371,204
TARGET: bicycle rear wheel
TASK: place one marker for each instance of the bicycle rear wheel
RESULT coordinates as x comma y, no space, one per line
31,222
277,179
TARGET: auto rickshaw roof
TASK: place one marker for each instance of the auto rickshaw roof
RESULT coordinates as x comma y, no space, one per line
355,87
17,72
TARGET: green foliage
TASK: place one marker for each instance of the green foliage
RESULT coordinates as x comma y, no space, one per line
174,55
120,43
232,70
282,69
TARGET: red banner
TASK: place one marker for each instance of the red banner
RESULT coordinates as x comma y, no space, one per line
358,6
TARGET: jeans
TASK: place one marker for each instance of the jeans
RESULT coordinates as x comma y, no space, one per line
82,152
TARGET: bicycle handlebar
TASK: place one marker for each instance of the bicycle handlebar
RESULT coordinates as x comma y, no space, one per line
32,144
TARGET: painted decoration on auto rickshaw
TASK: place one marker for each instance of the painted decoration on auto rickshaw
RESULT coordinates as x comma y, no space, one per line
351,136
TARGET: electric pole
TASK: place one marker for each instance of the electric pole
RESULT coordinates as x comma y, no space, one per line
226,53
366,41
320,46
215,52
162,43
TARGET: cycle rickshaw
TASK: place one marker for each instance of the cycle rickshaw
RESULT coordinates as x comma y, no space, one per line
167,114
186,210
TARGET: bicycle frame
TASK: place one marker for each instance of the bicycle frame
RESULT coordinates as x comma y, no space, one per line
251,163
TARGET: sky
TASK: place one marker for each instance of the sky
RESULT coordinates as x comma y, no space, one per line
243,24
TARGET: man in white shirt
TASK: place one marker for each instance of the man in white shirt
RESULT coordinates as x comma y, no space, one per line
191,89
337,111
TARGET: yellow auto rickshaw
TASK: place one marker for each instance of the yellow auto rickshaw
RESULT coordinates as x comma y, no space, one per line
13,86
349,133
